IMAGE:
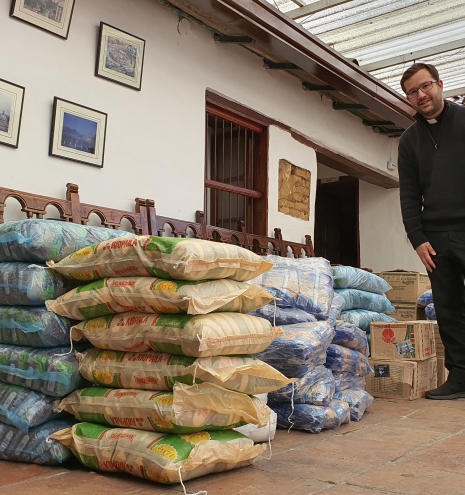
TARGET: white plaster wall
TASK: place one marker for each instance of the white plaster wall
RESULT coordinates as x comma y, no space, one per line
284,146
383,241
155,138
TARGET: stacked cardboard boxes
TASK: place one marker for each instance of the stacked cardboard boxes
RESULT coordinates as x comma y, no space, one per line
440,354
403,357
406,287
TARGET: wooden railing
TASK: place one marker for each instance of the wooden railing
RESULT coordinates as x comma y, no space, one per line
144,220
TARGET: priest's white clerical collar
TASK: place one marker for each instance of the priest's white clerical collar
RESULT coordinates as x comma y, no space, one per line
432,121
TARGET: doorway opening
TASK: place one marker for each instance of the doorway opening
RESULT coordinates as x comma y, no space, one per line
337,220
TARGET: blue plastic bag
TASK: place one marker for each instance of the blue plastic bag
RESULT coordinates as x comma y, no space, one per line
361,299
359,401
35,446
24,408
312,418
340,358
349,335
283,316
425,298
362,318
39,241
24,285
300,370
303,344
430,312
344,380
33,326
315,387
303,283
336,307
348,277
52,371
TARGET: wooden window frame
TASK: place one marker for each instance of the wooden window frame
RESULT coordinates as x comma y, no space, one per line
259,195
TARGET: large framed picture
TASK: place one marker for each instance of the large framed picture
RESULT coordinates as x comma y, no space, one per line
120,57
78,133
51,15
11,110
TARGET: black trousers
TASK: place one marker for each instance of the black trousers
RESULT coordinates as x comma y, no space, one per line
447,283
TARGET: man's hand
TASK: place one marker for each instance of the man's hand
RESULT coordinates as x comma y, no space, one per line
425,251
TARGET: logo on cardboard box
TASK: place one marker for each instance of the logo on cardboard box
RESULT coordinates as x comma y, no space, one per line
388,336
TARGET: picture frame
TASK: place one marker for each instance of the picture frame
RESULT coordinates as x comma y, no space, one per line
78,133
55,19
120,57
11,111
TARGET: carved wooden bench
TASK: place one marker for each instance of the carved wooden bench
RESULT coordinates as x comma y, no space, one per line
144,220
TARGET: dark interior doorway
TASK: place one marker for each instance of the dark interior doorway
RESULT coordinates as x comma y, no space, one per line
336,221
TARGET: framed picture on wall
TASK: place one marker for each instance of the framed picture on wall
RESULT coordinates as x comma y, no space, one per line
120,57
51,15
78,133
11,110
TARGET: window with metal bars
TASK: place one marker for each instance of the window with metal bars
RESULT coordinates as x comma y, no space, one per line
235,171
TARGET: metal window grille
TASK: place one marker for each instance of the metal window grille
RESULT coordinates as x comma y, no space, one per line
231,152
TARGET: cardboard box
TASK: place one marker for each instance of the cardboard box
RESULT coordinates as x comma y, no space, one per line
408,340
406,286
408,312
443,372
401,379
438,341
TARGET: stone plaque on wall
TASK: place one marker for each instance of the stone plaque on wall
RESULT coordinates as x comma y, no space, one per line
294,190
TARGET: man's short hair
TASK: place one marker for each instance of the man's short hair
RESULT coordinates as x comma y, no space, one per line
417,67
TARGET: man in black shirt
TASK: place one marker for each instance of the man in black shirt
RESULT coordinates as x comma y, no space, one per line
432,196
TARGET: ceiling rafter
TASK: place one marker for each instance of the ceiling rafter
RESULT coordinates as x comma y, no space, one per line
313,8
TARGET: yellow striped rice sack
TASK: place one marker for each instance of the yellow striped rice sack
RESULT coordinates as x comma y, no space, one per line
186,335
166,257
156,295
187,409
153,370
160,457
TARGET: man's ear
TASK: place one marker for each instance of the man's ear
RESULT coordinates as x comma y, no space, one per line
441,84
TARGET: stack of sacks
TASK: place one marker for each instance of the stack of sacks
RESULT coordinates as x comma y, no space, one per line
307,404
303,289
36,362
364,296
170,360
350,367
426,301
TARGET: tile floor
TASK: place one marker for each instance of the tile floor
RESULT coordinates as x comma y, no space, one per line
399,447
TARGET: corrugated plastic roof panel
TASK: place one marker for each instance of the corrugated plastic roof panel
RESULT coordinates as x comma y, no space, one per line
387,36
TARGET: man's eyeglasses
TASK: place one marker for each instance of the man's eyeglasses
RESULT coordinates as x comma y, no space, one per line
426,86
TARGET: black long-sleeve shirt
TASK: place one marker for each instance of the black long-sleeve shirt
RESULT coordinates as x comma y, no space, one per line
432,175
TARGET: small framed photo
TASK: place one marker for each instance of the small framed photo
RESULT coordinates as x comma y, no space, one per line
11,110
78,133
120,57
51,15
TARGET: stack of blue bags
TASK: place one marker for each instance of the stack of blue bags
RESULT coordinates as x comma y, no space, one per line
347,359
306,309
37,364
364,296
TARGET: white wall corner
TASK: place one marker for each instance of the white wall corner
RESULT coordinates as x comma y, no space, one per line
283,146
